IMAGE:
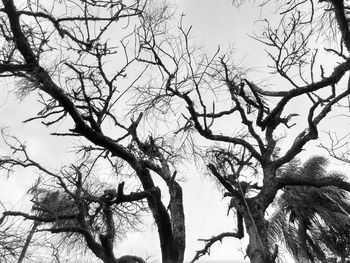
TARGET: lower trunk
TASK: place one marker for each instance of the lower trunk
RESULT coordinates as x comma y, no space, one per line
177,218
168,243
258,249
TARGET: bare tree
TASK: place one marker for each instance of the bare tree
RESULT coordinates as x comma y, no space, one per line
89,83
62,52
83,209
246,125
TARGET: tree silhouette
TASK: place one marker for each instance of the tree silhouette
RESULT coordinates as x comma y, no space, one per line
63,58
235,124
244,124
85,212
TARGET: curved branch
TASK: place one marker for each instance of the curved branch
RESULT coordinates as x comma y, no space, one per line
311,133
334,78
210,241
207,133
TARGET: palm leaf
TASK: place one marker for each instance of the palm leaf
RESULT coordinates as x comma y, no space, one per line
326,212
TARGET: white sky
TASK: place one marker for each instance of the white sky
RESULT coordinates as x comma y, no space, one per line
213,24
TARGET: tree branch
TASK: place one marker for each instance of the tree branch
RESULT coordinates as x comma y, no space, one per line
210,241
224,183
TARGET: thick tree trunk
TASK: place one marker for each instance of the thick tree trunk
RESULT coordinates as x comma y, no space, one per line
258,249
171,252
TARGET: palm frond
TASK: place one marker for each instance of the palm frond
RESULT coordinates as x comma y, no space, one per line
326,212
315,167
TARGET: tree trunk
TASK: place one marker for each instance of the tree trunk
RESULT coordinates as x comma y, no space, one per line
168,244
258,249
177,218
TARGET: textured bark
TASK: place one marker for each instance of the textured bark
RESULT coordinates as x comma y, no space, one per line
258,250
177,218
168,244
254,217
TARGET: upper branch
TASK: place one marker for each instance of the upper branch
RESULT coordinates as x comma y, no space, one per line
312,132
207,133
47,85
332,79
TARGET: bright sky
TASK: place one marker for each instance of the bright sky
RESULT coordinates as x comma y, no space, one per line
213,25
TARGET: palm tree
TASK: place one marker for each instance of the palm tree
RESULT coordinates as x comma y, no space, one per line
338,243
308,220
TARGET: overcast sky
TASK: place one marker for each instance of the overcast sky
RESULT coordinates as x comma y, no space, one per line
214,23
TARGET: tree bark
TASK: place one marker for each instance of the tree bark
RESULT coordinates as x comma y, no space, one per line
258,249
177,218
169,247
